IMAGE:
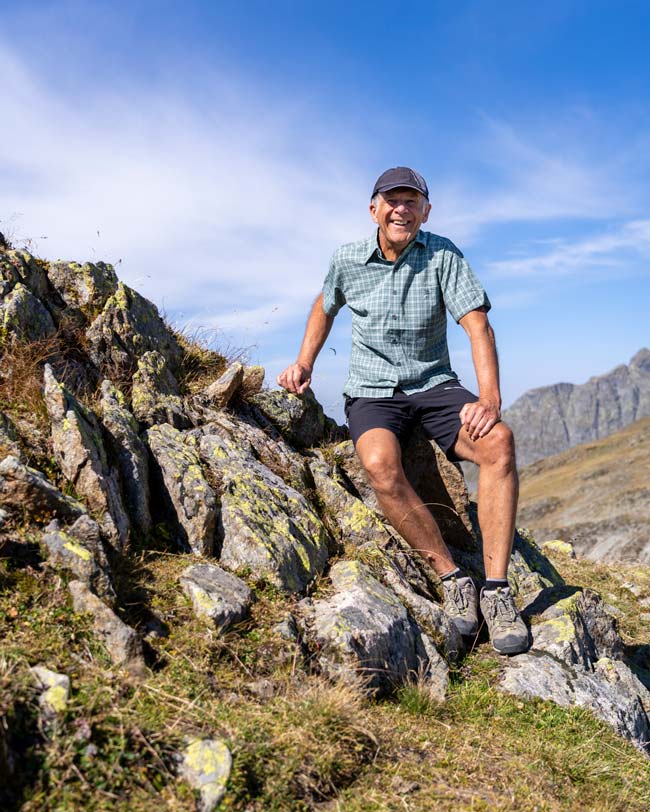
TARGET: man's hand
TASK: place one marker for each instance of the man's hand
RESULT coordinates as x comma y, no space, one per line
295,378
480,417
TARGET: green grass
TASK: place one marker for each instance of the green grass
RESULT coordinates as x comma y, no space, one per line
310,743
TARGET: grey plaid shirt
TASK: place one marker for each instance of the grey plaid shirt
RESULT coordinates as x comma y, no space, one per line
399,311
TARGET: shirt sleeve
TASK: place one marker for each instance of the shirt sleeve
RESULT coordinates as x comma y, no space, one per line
461,289
333,297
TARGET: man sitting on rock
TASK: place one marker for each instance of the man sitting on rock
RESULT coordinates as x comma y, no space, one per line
399,283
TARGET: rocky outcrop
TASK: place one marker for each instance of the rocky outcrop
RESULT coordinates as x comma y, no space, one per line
80,452
128,327
264,525
155,397
551,419
363,628
131,454
185,490
575,659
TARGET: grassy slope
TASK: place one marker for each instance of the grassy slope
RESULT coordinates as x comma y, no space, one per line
598,481
310,742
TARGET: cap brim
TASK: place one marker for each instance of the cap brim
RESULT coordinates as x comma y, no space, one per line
382,189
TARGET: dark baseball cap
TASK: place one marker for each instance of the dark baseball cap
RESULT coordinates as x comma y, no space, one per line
400,176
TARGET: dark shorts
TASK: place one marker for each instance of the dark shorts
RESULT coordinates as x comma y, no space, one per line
436,410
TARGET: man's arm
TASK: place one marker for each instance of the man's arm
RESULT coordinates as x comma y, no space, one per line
479,418
297,377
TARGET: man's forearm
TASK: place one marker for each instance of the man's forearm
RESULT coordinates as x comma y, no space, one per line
486,363
318,328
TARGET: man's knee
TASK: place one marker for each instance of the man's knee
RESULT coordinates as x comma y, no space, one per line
385,473
498,448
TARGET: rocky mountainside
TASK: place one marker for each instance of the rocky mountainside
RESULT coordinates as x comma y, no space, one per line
200,601
551,419
596,495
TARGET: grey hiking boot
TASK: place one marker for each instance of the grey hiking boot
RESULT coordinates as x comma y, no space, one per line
461,604
508,632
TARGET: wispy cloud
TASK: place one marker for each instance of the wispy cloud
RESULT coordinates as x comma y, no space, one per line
596,253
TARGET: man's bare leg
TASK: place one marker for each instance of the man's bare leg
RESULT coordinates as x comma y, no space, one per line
381,456
498,489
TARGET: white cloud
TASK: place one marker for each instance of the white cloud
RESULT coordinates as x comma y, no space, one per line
609,250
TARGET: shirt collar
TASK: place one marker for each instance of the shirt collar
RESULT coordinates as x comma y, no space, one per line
371,246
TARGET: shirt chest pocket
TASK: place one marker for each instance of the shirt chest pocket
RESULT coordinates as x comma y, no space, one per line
422,304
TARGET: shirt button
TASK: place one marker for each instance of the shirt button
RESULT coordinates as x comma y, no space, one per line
394,317
394,341
398,363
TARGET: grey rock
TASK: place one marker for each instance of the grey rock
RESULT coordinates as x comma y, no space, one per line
271,450
430,616
364,629
66,551
127,328
616,702
353,520
190,497
20,267
221,391
26,491
4,516
55,691
155,397
24,317
576,659
122,642
264,525
216,595
80,453
131,453
206,765
261,688
551,419
299,418
83,287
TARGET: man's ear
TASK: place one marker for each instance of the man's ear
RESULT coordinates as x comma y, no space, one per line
426,212
373,212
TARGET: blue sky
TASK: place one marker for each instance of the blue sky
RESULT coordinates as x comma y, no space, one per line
218,153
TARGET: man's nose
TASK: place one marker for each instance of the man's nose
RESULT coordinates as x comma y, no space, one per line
402,208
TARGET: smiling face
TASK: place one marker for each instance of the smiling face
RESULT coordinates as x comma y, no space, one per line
399,213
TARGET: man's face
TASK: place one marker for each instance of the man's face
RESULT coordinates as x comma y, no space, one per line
399,213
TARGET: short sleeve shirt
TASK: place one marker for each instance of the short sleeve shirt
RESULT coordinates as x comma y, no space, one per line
399,311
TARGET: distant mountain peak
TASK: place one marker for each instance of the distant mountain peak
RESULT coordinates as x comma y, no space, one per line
551,419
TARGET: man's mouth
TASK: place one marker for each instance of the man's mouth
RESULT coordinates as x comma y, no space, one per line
399,223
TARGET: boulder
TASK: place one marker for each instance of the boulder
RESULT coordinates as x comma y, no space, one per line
123,644
27,492
299,418
363,628
186,491
80,453
264,525
575,659
217,596
221,391
155,397
21,267
206,765
24,317
127,328
131,454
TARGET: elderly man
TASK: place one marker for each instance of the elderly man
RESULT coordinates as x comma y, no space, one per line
399,285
